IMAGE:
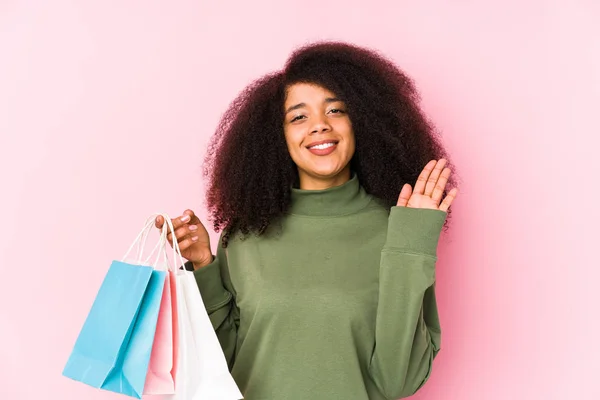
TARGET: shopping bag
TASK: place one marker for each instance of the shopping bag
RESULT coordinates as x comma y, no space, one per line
202,371
163,359
113,348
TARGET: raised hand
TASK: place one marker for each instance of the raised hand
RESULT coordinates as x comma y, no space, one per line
429,189
192,238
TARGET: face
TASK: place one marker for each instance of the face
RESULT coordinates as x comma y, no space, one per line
319,136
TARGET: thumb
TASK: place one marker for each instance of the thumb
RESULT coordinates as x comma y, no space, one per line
404,195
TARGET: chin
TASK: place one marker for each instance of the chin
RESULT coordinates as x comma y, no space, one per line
326,173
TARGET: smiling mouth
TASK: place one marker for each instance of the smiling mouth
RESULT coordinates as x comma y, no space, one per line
323,149
322,146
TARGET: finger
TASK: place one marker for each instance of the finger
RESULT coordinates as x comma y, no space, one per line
187,242
433,178
404,195
187,219
448,200
182,220
181,225
422,179
182,232
193,218
177,223
440,185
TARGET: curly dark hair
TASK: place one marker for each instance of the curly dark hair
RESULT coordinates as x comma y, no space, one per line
248,166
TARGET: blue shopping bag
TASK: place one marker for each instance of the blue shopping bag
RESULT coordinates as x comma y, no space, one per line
112,351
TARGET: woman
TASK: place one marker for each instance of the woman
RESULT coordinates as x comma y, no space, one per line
323,282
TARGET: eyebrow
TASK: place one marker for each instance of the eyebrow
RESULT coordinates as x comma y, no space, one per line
300,105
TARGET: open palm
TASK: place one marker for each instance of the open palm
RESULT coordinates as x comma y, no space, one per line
429,189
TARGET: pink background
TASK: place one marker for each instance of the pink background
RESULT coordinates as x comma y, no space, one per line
106,109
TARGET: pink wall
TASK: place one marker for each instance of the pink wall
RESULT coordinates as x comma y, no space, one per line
105,111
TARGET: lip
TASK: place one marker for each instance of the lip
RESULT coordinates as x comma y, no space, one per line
324,152
322,142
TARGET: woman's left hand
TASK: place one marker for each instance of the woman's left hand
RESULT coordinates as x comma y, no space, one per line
429,189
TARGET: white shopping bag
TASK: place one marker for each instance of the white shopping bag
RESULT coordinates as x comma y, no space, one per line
202,372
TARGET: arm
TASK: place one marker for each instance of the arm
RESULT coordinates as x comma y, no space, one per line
407,330
218,296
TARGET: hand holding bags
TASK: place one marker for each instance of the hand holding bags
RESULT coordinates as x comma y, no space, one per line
113,348
148,332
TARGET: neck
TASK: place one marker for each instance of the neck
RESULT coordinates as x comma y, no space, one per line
343,199
308,182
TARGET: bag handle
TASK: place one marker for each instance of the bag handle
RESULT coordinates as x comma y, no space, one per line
176,249
142,238
161,246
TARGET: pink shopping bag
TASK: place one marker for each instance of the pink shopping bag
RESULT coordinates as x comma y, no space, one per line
163,359
160,378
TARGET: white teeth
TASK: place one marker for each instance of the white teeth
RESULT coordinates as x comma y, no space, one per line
323,146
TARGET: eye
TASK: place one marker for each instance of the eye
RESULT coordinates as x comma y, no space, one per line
297,117
336,111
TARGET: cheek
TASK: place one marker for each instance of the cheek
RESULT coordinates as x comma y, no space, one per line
344,127
351,149
293,137
351,146
349,137
287,136
293,143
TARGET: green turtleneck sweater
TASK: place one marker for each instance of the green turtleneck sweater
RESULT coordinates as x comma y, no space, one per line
339,304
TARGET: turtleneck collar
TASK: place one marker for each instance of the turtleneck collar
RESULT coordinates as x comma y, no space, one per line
347,198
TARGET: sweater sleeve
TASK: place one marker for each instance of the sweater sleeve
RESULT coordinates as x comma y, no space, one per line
218,296
407,330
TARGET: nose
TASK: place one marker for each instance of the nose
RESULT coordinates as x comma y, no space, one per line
320,125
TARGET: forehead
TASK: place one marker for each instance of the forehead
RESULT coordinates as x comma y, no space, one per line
306,92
